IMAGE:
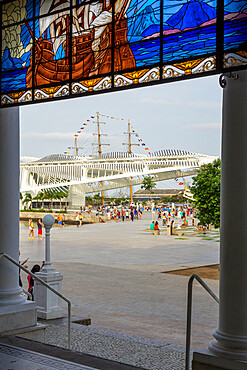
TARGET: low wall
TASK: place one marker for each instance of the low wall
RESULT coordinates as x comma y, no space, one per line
69,217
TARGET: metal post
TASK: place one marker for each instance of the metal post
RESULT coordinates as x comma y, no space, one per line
231,335
48,221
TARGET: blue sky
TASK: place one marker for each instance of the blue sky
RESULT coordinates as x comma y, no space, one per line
180,115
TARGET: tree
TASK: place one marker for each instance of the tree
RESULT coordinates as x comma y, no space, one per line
148,184
97,198
28,198
59,196
21,199
206,192
88,199
38,197
66,195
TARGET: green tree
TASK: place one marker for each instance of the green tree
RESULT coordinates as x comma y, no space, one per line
206,192
59,196
28,198
66,195
38,198
97,198
89,200
148,184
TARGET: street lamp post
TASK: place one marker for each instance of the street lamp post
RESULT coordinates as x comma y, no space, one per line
48,303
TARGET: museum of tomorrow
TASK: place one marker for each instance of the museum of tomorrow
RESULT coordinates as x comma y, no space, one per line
83,175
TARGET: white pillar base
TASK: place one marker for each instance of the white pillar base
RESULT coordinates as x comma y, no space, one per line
48,303
204,360
19,316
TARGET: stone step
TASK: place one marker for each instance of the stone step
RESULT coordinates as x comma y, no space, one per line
35,332
19,354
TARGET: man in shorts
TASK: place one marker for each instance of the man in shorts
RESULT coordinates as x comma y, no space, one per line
59,220
39,225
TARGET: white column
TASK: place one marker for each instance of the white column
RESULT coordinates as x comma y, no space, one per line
10,292
231,335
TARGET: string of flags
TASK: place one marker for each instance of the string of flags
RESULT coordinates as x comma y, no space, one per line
104,115
83,126
88,121
141,141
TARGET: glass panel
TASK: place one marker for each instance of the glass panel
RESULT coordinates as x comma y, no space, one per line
48,7
52,47
90,85
51,92
137,77
189,29
235,33
16,54
91,46
16,11
17,97
138,42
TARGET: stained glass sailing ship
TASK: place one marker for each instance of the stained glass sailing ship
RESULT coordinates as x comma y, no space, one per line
49,70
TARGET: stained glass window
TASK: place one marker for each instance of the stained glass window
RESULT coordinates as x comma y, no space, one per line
235,33
56,48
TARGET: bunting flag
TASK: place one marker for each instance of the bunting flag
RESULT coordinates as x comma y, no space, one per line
66,152
181,183
175,179
85,123
111,117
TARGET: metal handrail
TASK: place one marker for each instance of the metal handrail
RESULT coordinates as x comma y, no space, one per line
27,293
189,312
47,286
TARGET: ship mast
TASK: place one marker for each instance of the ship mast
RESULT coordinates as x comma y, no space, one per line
99,144
130,144
76,147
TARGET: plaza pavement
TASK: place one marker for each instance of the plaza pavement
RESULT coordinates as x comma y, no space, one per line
113,272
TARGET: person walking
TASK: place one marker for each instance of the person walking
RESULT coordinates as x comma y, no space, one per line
31,229
59,220
77,219
80,218
63,220
132,215
39,225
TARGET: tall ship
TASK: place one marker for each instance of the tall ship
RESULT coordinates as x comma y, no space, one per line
91,41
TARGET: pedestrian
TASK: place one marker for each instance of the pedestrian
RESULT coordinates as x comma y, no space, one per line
59,220
80,218
152,226
35,268
39,225
132,215
31,229
63,220
77,219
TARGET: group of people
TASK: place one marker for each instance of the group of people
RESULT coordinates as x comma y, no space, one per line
60,222
31,229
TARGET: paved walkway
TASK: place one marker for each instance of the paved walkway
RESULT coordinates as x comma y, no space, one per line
113,272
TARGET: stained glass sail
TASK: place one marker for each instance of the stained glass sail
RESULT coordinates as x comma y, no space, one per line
56,48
